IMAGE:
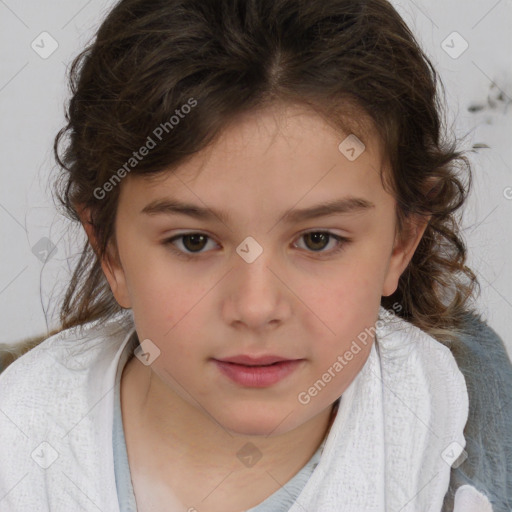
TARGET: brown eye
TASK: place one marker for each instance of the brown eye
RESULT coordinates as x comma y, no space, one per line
194,242
317,241
188,243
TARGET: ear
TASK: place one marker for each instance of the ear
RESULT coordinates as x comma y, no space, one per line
403,251
110,262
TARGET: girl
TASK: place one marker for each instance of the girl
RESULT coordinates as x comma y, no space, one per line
272,311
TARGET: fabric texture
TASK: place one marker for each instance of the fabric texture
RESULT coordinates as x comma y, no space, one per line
124,486
398,429
485,364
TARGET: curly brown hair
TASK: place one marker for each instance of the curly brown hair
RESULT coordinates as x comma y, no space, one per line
148,58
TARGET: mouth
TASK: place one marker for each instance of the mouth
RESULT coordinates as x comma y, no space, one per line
257,375
247,360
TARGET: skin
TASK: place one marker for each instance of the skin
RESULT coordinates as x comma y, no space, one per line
184,420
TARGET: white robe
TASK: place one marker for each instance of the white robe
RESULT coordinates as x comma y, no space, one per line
398,428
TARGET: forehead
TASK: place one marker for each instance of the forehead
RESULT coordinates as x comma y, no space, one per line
264,158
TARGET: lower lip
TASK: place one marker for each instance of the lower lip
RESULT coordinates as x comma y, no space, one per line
257,376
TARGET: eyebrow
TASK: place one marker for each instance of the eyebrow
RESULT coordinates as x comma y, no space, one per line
341,206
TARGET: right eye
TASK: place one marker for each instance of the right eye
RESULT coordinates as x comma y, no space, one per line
193,242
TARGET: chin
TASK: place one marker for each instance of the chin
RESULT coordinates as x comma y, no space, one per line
258,424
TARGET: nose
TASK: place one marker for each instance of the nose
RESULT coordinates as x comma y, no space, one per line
256,296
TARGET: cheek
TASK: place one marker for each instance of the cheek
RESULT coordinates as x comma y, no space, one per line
158,297
167,309
346,293
344,307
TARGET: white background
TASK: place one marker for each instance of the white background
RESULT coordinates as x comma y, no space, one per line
33,91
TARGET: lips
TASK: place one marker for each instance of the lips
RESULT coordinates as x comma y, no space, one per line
257,372
254,361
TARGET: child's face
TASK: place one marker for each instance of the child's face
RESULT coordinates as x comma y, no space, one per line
298,299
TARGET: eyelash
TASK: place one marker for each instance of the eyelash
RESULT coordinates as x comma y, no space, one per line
342,242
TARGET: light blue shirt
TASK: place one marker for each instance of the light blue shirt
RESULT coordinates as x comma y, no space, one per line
280,501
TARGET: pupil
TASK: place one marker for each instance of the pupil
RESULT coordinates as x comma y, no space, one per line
317,237
194,239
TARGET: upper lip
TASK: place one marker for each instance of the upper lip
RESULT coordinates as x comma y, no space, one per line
254,361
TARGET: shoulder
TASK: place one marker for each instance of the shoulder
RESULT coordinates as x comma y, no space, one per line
479,342
483,360
62,356
55,415
71,366
60,367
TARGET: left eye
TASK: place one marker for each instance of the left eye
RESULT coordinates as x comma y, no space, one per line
316,241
